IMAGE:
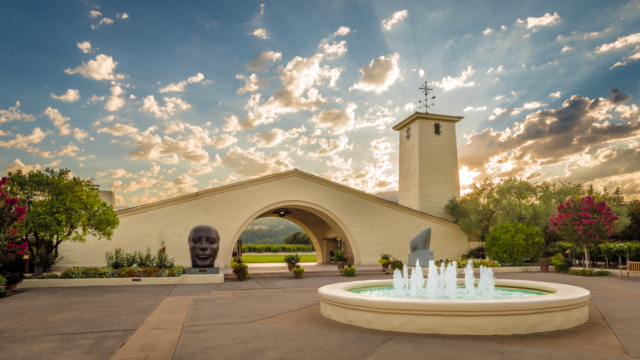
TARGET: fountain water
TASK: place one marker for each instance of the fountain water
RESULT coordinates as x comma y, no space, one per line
469,281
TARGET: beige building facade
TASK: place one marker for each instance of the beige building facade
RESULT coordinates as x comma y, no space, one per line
333,215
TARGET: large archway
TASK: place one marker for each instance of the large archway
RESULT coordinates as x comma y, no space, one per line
322,226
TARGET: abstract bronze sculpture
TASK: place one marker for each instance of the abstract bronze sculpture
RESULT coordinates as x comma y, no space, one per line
204,242
419,247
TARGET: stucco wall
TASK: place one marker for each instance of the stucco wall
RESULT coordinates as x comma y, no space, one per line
367,224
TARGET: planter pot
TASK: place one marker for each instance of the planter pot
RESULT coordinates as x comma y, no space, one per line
385,267
341,265
14,287
298,276
350,255
240,277
544,268
291,266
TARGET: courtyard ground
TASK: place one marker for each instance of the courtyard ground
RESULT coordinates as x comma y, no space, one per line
280,319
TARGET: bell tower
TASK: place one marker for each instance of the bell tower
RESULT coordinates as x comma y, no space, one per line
428,162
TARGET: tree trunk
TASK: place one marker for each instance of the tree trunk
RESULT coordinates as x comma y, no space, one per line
38,269
606,259
586,257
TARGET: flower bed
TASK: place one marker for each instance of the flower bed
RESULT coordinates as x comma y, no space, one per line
108,272
476,263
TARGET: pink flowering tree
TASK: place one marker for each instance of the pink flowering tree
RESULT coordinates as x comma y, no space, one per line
583,222
11,245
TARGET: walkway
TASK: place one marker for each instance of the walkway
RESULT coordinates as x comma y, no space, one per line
280,319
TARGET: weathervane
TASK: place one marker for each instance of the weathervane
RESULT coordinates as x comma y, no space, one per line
426,90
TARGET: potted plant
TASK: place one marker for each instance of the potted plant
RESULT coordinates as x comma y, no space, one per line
544,264
13,279
341,259
298,271
292,260
396,265
350,271
3,292
385,261
240,269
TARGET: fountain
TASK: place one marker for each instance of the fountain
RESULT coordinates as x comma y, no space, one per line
448,305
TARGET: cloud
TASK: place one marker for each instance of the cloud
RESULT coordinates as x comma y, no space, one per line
14,113
555,94
498,97
342,31
617,96
397,17
335,50
263,61
116,174
85,47
251,163
502,113
96,98
373,177
174,87
338,121
298,79
123,16
79,134
196,78
379,74
99,69
119,130
70,96
566,48
115,101
421,73
471,108
69,150
94,14
22,142
487,31
328,147
261,33
172,104
19,165
200,170
58,120
566,135
619,63
132,186
231,123
546,20
53,164
252,83
621,42
106,21
410,106
307,140
449,83
275,136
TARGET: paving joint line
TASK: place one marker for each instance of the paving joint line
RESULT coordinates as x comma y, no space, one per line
609,325
381,345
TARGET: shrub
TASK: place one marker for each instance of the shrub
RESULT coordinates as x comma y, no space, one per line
163,260
3,291
298,270
475,252
240,268
340,256
397,265
350,271
385,256
127,272
13,278
511,242
146,260
384,261
544,262
292,258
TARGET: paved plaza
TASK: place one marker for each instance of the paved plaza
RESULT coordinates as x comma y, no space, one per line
280,319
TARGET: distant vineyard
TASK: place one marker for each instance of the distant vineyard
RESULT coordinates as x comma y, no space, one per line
268,231
254,248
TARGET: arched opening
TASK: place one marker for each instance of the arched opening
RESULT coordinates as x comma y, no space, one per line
326,231
267,239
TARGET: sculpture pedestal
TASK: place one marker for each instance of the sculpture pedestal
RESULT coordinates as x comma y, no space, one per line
202,271
424,256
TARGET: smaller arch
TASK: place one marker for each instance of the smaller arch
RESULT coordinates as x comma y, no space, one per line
318,211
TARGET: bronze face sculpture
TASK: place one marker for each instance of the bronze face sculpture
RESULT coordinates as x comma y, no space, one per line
203,246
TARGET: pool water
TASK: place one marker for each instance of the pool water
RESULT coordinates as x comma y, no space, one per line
461,293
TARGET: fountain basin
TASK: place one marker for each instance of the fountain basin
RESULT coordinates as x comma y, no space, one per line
563,307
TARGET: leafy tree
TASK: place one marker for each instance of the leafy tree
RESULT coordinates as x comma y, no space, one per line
583,222
11,214
511,242
298,238
632,231
60,207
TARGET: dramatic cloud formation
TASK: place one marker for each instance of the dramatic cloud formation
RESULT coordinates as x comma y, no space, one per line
338,121
99,69
263,61
379,74
397,17
547,19
172,104
70,96
330,147
252,83
450,83
251,163
275,136
621,42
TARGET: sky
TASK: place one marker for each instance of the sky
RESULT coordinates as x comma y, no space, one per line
156,99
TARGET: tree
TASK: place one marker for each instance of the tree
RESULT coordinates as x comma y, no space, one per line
298,238
583,222
632,231
512,242
60,207
11,214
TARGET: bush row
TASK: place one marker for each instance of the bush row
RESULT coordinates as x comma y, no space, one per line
125,272
476,263
259,248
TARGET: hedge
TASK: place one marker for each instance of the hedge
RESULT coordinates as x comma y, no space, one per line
511,242
276,248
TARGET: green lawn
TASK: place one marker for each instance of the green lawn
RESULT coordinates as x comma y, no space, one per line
260,258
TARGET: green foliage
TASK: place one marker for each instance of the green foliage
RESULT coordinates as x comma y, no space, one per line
589,272
119,259
163,260
385,256
397,265
3,291
270,230
298,270
275,248
475,252
384,261
298,238
350,271
108,272
340,256
292,258
544,262
632,231
511,242
561,264
12,278
476,263
268,258
240,268
59,208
